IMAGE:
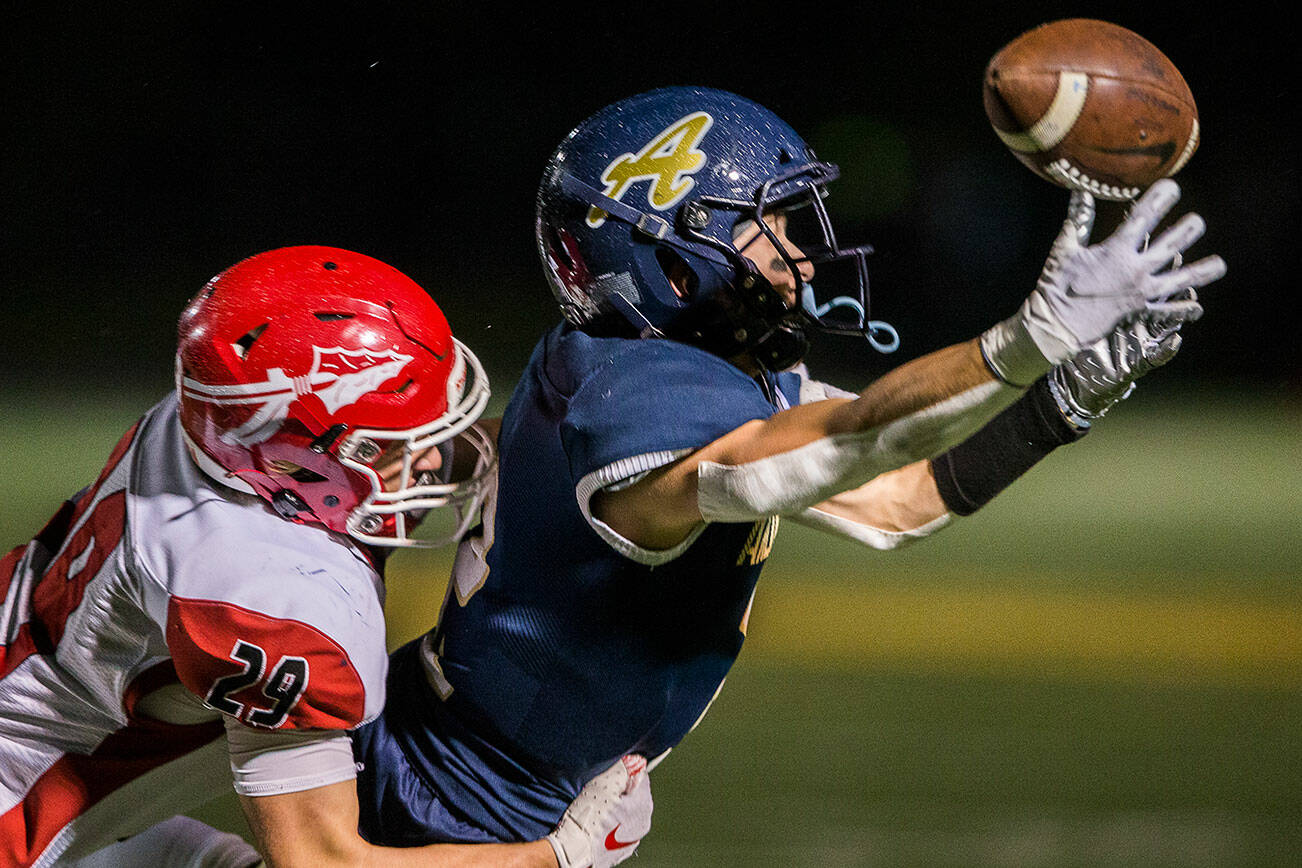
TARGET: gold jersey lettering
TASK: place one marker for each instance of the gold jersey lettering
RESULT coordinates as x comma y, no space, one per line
759,543
667,162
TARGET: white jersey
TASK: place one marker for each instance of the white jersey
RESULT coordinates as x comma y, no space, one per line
154,606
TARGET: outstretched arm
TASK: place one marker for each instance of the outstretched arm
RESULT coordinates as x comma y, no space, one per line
919,499
813,452
806,455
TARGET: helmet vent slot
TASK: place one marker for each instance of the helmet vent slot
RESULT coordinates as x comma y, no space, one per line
296,472
244,344
407,384
329,316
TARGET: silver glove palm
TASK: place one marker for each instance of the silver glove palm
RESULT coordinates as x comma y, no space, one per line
1086,386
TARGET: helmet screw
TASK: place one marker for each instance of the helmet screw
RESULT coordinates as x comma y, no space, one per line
331,500
696,216
366,450
369,523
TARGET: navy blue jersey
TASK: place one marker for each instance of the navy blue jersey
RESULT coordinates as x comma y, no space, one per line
574,646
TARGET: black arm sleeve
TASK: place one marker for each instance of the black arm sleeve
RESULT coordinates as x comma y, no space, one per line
973,472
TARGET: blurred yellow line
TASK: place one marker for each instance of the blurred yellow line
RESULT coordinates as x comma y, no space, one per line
1120,636
1130,637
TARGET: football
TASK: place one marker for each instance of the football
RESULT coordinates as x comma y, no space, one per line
1090,105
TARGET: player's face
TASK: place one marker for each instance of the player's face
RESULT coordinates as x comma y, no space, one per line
389,466
760,249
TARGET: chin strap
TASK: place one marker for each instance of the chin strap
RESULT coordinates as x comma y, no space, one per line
652,226
781,348
889,343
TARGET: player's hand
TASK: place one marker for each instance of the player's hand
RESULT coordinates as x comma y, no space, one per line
1086,291
1086,386
607,819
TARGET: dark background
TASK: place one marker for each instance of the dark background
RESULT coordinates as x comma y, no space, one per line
1101,668
149,145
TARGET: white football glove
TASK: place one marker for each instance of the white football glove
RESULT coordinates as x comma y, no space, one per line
1085,292
1086,386
607,819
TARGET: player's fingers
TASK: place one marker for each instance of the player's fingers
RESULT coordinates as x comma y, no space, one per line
1067,242
1161,327
636,816
1195,274
1184,293
1173,312
616,777
1080,214
636,766
1149,210
1174,241
1164,351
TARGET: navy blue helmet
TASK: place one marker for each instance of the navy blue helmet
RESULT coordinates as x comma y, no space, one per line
661,184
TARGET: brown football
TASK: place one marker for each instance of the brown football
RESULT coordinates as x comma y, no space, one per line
1092,106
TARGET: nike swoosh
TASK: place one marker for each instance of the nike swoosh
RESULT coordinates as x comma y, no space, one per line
613,843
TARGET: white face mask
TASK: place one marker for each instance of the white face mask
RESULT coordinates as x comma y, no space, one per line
419,496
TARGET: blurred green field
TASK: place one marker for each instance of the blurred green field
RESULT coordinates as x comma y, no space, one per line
1104,667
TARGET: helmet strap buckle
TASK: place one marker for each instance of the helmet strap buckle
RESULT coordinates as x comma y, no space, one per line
326,439
655,227
288,504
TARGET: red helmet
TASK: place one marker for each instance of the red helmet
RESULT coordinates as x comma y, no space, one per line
302,370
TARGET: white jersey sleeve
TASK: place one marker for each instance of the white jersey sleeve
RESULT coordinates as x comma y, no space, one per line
287,761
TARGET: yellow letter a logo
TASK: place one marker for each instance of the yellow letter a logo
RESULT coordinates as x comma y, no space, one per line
666,161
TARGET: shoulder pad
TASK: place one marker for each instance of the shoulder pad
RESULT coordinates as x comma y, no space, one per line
656,396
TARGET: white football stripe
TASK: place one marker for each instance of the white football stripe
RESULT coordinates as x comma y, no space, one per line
1189,147
1054,125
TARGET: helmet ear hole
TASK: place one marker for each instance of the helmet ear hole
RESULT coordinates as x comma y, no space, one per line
303,474
680,275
